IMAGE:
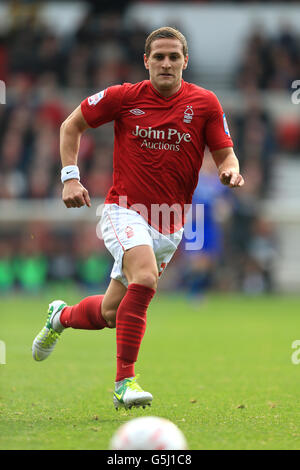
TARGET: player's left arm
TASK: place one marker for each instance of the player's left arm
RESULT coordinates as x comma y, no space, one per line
228,167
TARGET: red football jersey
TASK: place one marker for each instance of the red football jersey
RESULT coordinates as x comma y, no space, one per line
159,144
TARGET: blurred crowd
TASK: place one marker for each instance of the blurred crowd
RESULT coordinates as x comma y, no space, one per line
40,255
42,71
270,61
37,66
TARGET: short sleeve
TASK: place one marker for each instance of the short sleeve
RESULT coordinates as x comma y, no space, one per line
217,134
103,107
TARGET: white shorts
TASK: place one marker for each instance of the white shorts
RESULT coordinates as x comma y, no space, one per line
123,229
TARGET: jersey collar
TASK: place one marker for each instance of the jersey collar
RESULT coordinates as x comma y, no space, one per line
169,97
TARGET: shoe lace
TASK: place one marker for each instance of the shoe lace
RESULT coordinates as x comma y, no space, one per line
133,385
49,337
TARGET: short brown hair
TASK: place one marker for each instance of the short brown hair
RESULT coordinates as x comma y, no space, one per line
166,32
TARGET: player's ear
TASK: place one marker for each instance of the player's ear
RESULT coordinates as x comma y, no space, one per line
146,62
185,63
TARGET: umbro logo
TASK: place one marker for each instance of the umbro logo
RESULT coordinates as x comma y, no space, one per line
137,112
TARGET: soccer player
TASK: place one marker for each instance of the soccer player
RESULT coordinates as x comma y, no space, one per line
162,126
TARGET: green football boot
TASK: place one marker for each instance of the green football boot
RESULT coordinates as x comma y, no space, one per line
129,394
45,341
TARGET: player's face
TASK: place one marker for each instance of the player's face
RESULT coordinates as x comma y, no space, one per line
165,64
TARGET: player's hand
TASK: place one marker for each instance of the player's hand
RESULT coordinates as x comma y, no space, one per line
75,195
231,178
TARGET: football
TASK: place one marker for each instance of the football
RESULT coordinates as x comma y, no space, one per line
148,433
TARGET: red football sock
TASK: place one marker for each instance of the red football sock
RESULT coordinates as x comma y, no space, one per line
131,326
86,315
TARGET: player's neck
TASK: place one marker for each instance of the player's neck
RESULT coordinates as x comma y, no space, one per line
166,93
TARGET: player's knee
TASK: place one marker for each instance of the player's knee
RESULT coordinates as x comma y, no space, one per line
111,323
110,317
148,279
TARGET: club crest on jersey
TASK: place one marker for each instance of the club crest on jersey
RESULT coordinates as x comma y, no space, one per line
137,112
188,114
94,99
226,128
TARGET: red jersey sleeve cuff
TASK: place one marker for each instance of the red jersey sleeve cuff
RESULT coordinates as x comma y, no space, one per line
221,145
85,113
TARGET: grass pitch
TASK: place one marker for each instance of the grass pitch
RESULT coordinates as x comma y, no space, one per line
221,371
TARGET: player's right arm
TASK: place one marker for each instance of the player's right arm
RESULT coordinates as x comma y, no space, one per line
98,109
71,130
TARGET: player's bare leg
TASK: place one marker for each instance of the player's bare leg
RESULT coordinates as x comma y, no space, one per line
139,266
111,301
140,269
